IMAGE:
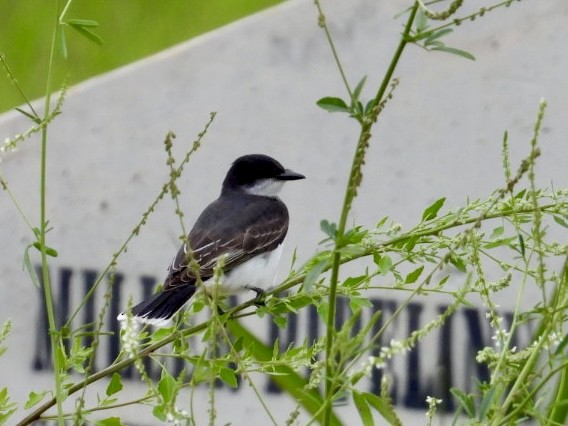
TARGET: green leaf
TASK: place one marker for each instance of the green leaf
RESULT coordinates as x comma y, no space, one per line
329,229
363,408
500,242
28,266
458,262
161,334
31,116
313,274
7,408
167,386
5,414
110,421
61,356
4,331
78,355
48,250
497,232
352,250
356,303
563,343
332,104
115,385
413,276
421,21
522,244
323,311
280,321
82,22
276,349
107,401
297,302
381,222
560,221
465,401
359,87
455,51
238,344
354,236
37,232
86,33
411,243
432,210
63,43
369,106
228,376
384,407
436,35
443,281
487,403
384,263
33,399
358,109
354,281
435,44
160,412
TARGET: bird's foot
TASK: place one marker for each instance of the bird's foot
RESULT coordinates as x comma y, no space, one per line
259,299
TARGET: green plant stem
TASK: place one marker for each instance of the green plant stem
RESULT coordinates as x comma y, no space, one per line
5,187
64,11
398,53
53,332
349,195
323,25
106,407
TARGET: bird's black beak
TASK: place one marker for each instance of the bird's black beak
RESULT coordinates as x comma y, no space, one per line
289,175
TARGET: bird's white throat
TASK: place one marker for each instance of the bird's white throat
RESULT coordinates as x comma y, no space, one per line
265,187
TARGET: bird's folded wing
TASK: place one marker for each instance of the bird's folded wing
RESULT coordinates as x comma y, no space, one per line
236,247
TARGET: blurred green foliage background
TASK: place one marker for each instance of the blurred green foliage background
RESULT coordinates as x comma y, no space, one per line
129,29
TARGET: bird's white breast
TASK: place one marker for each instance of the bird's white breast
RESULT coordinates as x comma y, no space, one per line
259,272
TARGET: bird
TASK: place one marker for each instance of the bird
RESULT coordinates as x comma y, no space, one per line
242,230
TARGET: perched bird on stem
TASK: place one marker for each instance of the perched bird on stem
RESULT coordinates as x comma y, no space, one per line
242,231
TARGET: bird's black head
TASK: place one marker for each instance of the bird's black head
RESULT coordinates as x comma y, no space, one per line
258,174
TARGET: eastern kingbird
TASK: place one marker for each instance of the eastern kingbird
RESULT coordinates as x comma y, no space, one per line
243,229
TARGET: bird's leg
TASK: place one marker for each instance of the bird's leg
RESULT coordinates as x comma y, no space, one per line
259,299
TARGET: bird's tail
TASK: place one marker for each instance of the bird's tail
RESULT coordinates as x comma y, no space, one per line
159,309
